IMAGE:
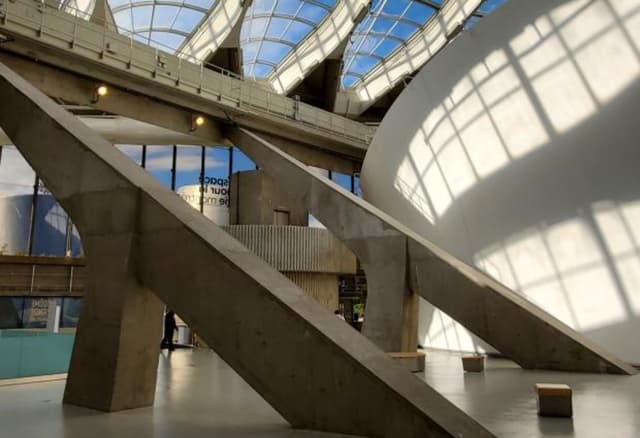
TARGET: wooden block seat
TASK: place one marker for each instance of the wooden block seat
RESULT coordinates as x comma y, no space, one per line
554,400
473,363
412,360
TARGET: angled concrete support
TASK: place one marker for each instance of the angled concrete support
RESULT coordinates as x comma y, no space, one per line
303,360
505,320
115,353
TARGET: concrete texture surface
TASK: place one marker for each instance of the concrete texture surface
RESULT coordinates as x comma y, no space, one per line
305,362
507,321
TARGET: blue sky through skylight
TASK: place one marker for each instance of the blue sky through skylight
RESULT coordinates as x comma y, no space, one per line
164,24
389,24
273,28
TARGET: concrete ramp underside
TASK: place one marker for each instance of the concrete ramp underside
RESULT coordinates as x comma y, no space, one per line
310,366
507,321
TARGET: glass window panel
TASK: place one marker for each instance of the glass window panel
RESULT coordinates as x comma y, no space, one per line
277,26
250,51
123,20
403,30
36,312
272,52
188,166
16,194
262,6
395,7
142,17
488,6
187,20
242,162
205,4
50,226
342,179
159,159
71,308
142,37
132,151
11,312
115,3
287,7
313,13
166,41
296,32
385,48
419,13
164,16
261,70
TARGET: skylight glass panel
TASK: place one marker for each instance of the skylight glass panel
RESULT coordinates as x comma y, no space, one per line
163,24
273,28
485,8
389,24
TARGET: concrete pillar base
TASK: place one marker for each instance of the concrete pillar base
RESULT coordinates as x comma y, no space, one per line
115,354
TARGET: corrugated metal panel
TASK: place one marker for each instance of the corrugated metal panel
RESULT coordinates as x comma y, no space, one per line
296,249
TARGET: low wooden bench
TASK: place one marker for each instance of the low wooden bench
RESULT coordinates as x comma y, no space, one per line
413,361
554,400
473,363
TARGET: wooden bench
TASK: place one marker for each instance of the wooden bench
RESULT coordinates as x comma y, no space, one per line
473,363
413,361
554,400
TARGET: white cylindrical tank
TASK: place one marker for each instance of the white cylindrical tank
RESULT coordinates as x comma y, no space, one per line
517,149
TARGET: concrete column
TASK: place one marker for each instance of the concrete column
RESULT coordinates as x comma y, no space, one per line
410,322
115,354
384,263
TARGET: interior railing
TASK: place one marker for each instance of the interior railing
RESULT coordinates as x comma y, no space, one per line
104,42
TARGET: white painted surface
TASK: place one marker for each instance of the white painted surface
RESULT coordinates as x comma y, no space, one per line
518,151
213,31
216,199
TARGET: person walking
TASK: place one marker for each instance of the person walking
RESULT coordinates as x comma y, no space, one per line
169,327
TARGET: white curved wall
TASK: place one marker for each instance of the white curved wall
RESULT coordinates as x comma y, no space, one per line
517,149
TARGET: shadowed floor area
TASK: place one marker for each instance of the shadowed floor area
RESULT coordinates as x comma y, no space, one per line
198,395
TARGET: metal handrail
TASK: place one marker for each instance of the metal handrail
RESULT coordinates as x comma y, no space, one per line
79,35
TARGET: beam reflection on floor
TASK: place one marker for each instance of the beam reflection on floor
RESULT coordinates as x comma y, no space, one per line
502,399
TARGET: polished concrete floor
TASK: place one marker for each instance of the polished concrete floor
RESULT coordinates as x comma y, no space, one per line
198,395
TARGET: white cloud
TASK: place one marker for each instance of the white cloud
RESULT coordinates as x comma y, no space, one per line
16,176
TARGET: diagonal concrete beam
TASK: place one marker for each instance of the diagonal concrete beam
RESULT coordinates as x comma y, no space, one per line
516,327
308,364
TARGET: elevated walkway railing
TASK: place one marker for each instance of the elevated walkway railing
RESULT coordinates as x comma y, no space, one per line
37,21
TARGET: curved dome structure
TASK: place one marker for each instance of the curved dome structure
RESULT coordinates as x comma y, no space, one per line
516,149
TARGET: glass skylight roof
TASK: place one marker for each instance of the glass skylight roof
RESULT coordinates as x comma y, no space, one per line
273,28
160,23
388,25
